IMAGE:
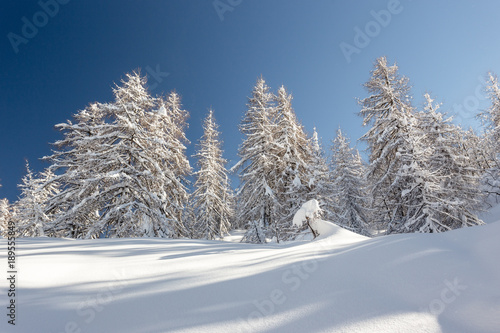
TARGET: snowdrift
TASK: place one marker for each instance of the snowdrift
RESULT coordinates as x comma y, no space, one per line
340,283
310,211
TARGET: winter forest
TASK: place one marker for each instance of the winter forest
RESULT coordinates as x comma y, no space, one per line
121,169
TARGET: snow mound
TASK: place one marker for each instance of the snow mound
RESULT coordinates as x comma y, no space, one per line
324,229
336,234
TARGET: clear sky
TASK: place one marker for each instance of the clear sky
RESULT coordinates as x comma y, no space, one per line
55,60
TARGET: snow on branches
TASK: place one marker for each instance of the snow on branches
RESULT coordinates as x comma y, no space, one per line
275,165
123,167
212,197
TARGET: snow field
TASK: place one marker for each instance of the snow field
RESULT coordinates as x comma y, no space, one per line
343,282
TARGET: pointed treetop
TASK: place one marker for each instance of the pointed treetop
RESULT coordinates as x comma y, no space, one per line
315,140
133,88
210,117
430,107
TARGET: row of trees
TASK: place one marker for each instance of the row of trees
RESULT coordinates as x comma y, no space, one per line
280,168
121,169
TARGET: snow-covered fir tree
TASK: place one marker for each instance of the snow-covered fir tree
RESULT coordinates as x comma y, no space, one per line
407,193
421,192
417,188
76,207
256,200
212,197
389,112
488,146
350,193
168,123
292,165
6,215
319,182
31,217
274,167
480,152
122,168
479,149
492,114
452,188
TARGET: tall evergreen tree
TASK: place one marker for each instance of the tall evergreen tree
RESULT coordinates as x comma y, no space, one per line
122,166
212,197
5,216
75,207
479,150
350,196
446,180
407,192
492,114
319,181
257,203
420,188
389,112
488,147
275,165
31,217
168,124
292,164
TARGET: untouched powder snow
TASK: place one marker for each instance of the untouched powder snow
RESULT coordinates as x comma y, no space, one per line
340,283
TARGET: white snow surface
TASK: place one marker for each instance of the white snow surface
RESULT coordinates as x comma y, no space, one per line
342,282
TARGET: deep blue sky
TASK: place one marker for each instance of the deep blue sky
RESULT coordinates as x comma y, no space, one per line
77,55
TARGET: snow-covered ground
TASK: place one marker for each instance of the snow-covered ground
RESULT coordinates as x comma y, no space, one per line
341,283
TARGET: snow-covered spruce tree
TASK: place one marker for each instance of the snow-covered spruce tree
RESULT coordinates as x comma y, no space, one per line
120,164
452,192
418,190
421,187
389,112
76,207
350,193
483,160
404,190
292,163
492,114
488,146
149,197
212,197
256,200
168,123
480,150
6,215
319,183
31,218
177,116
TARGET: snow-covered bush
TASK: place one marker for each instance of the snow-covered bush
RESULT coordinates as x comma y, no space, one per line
308,214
